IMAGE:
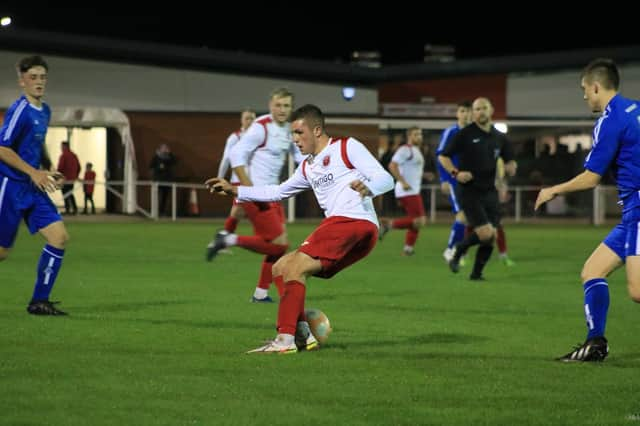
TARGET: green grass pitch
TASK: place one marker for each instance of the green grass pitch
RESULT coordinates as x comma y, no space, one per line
157,336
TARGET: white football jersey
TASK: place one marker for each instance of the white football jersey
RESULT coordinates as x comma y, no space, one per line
410,163
232,140
263,150
329,174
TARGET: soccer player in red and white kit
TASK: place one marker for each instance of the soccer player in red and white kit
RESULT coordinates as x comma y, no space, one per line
246,118
344,177
257,159
407,167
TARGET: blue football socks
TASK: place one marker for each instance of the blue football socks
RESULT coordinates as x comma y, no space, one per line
457,234
48,267
596,304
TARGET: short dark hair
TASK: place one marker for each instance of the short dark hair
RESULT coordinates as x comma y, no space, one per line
466,103
25,64
311,114
604,71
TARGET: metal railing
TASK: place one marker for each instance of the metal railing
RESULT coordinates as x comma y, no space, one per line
603,201
519,207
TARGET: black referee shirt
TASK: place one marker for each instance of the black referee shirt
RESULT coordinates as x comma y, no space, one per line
478,152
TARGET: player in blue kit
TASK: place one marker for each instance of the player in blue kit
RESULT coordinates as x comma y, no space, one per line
616,146
24,184
448,183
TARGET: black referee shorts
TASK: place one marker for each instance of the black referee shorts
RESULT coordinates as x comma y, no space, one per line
480,206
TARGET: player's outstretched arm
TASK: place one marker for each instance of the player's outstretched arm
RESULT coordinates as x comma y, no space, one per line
585,180
545,194
221,186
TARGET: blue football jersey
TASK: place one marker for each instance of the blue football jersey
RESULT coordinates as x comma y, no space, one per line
616,145
24,130
447,136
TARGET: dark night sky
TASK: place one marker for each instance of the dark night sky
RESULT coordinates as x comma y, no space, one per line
399,34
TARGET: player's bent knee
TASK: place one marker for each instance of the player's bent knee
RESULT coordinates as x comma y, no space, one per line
280,239
486,238
297,268
292,271
280,266
276,270
634,295
633,287
590,272
59,240
485,234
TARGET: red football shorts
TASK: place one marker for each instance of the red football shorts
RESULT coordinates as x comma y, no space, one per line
339,242
413,205
267,218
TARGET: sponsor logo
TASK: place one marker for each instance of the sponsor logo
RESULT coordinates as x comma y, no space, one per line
322,181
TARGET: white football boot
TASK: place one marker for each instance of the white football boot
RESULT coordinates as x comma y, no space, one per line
276,346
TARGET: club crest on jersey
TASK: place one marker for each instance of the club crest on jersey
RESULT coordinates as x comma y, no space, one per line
326,160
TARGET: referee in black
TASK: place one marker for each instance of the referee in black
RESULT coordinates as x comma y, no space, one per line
478,147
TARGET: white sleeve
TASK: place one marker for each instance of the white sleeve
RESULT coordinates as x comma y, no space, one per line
225,163
401,155
292,186
377,179
298,157
249,142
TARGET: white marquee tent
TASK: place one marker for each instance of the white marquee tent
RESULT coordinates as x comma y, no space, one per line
105,117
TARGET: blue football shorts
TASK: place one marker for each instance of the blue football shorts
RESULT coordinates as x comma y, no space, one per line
22,200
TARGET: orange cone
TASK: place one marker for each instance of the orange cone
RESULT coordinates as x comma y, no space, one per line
194,210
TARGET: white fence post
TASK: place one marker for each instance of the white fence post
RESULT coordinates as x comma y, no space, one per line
518,207
432,203
599,205
173,202
154,200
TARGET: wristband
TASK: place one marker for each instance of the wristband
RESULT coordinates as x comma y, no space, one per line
454,173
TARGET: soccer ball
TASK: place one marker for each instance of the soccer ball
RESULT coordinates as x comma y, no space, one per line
319,324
